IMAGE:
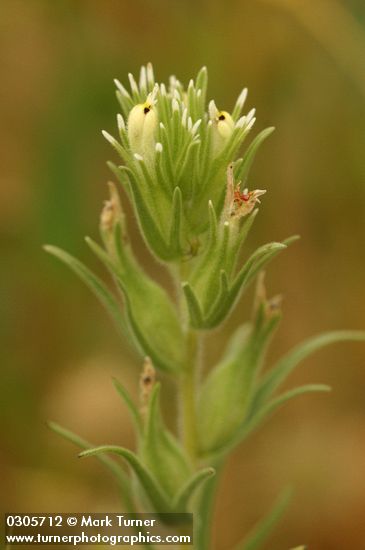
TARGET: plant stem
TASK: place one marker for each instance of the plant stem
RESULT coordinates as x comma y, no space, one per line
188,395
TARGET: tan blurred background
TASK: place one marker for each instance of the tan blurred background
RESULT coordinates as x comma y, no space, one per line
304,64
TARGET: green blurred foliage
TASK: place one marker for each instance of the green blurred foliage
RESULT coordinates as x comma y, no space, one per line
302,61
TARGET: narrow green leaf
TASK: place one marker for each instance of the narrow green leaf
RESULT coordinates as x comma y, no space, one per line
274,377
263,529
151,314
150,485
94,283
121,476
182,499
176,222
260,415
161,452
195,312
135,414
250,154
213,225
252,266
147,222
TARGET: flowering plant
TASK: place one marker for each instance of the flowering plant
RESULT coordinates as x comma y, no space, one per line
186,176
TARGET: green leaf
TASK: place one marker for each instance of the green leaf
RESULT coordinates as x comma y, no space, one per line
182,498
274,377
253,265
195,312
176,235
94,283
258,416
153,490
121,476
161,451
227,391
149,227
135,414
250,154
151,315
263,529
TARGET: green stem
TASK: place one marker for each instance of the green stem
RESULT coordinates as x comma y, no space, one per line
188,395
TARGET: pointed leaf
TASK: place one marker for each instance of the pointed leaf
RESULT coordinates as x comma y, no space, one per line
258,416
148,482
150,312
250,154
195,312
176,222
274,377
94,283
121,476
263,529
161,452
135,414
182,499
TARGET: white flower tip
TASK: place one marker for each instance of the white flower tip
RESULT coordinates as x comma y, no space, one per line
121,88
191,84
162,126
213,111
121,123
251,123
150,75
250,115
177,95
198,93
132,82
158,147
108,137
196,126
241,122
242,98
138,157
175,105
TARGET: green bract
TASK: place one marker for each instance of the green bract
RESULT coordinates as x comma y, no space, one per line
175,154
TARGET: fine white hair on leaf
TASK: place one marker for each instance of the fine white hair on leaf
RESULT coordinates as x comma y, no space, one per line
190,123
198,93
163,89
175,105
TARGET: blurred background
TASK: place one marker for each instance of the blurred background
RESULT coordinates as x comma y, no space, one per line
303,62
